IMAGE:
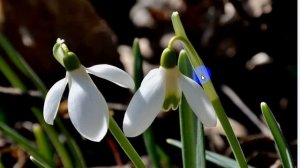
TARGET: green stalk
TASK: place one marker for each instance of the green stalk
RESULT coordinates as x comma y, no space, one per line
282,147
61,150
209,90
125,144
25,144
138,75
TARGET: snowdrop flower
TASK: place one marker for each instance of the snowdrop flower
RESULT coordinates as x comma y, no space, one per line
162,89
87,107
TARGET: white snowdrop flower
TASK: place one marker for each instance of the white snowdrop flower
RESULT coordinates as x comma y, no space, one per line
162,89
87,107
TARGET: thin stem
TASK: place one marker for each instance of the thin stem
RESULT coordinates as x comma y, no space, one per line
210,91
235,146
125,144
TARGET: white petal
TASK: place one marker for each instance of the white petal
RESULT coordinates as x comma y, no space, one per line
144,106
52,100
198,101
150,75
87,107
113,74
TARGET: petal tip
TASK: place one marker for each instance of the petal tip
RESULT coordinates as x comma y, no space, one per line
50,122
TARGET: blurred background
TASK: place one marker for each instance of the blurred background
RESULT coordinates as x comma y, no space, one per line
248,45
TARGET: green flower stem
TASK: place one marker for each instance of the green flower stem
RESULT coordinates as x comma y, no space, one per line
125,144
188,122
209,90
279,139
148,136
61,150
42,142
25,144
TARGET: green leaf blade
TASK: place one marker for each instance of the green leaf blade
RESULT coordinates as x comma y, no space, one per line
279,139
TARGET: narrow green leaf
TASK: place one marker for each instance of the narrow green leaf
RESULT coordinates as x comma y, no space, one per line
212,157
37,162
138,64
282,147
1,164
53,135
10,75
21,64
24,144
138,75
73,146
188,123
42,142
150,145
163,157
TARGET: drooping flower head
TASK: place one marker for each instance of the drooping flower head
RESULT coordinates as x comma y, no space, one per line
161,89
87,107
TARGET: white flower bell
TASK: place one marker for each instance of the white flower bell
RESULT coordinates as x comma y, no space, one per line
87,107
161,89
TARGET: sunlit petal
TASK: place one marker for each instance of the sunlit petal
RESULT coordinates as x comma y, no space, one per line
198,101
150,75
87,107
52,100
144,106
113,74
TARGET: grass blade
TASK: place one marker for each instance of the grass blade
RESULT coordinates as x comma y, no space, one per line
24,144
10,75
279,139
212,157
53,135
42,142
21,64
